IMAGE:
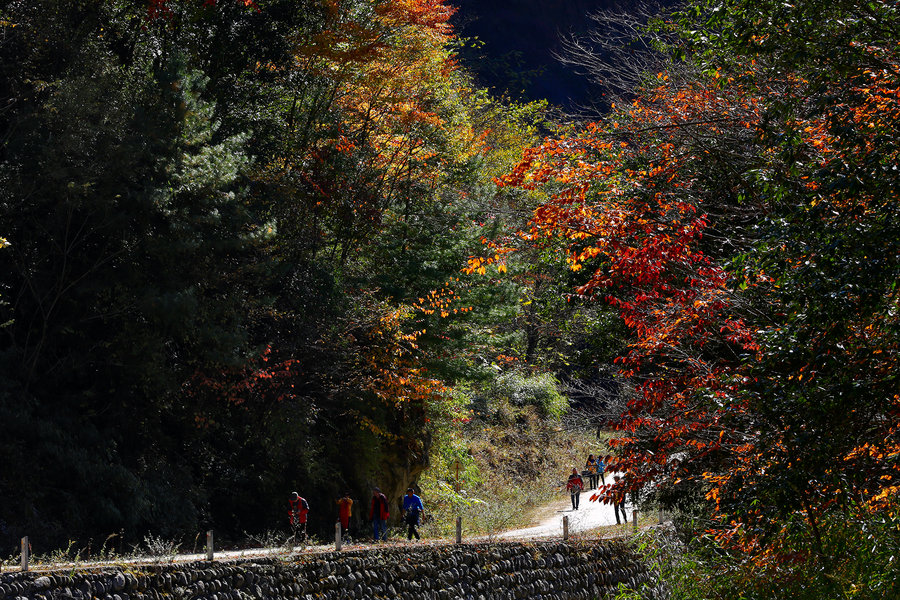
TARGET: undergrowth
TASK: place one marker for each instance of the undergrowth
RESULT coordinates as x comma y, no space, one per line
509,459
859,560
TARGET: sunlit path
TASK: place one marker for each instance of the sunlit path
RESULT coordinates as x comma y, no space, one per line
590,515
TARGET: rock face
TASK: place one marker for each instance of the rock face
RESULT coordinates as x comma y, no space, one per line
399,466
538,571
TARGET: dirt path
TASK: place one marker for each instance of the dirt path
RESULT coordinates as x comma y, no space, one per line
590,515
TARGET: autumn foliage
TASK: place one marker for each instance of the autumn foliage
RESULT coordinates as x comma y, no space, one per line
250,242
722,213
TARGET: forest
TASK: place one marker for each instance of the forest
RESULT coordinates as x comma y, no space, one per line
251,246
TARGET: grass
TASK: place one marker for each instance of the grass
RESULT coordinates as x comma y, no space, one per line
513,464
860,562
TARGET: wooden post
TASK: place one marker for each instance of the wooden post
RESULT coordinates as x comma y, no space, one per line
566,527
634,519
337,535
209,545
25,553
456,488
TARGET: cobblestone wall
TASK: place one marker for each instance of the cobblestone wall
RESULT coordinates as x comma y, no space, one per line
536,571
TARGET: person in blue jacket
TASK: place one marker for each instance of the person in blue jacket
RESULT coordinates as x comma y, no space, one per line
413,510
601,467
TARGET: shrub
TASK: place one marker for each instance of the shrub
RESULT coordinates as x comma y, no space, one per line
518,390
858,560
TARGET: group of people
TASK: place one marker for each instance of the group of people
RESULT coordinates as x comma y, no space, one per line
413,509
595,469
379,512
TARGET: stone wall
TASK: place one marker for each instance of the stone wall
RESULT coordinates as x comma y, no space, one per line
536,571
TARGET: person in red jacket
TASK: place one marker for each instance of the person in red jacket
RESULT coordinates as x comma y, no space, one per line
379,514
575,485
298,511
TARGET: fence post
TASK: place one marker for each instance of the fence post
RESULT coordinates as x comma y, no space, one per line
566,527
459,530
337,535
209,545
25,553
634,519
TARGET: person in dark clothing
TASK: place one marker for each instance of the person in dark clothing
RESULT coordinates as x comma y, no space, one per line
601,468
413,510
575,485
593,476
299,508
619,502
379,514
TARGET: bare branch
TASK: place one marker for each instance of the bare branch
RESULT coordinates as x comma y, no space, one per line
620,49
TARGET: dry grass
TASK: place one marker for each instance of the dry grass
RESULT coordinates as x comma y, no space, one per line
521,464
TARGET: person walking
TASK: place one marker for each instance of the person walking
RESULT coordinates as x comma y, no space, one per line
413,510
575,485
345,506
601,468
619,501
591,466
299,509
379,514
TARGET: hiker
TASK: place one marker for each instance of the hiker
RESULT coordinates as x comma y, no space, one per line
593,476
413,507
601,468
298,511
379,514
575,485
619,501
345,504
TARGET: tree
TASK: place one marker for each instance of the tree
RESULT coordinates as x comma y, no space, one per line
222,219
740,215
126,213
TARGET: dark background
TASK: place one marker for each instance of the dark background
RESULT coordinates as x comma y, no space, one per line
520,37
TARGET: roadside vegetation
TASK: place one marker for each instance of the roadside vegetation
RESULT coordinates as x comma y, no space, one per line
513,457
257,246
738,207
696,568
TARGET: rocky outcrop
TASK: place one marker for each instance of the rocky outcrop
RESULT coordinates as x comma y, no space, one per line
536,571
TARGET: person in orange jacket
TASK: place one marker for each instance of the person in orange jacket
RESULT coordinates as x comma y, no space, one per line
593,475
345,504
